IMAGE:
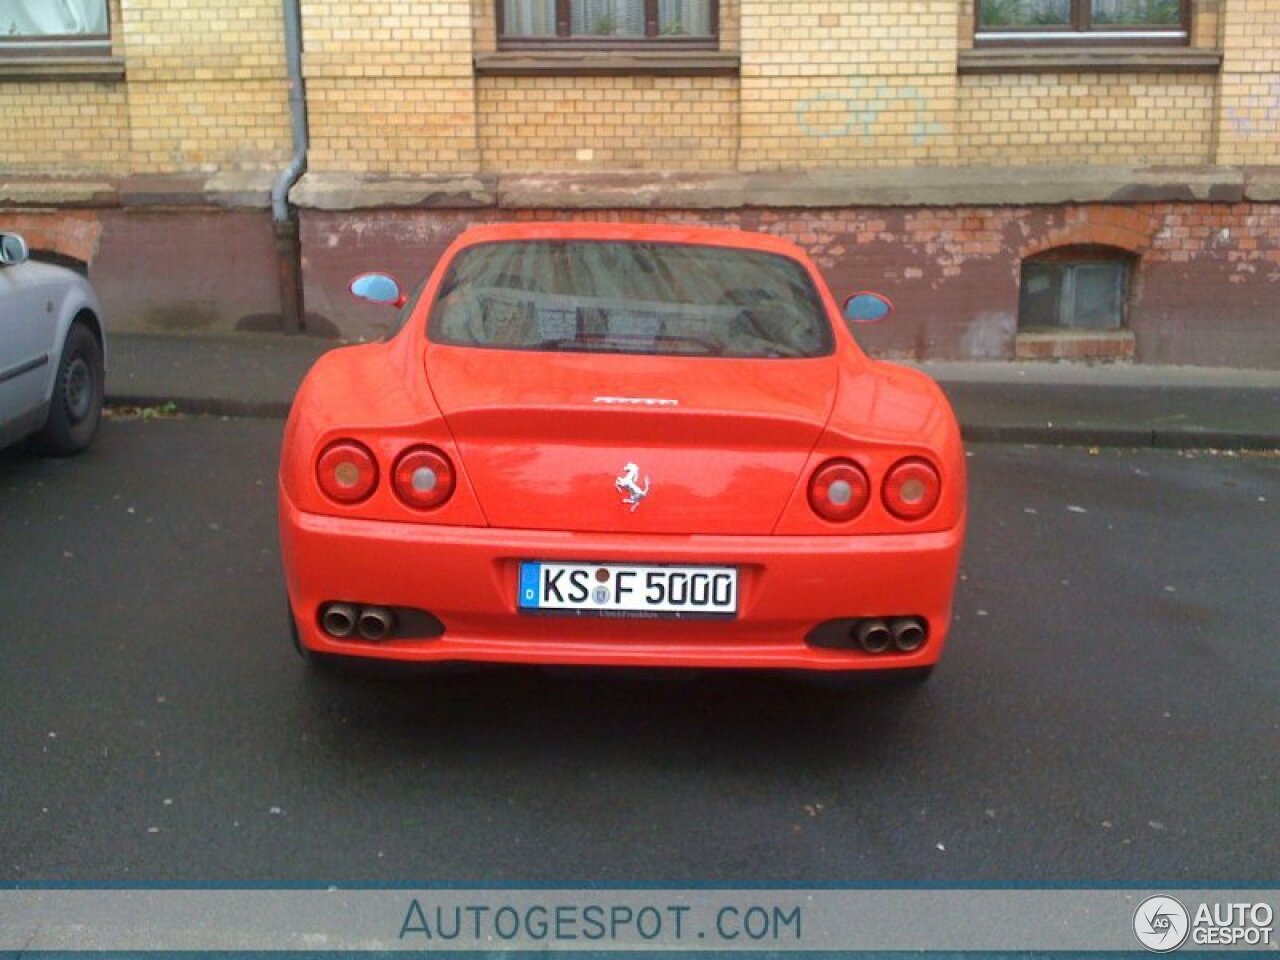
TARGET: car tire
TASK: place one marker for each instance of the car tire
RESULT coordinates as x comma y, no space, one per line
75,409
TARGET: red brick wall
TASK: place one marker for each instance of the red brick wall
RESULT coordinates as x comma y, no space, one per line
1206,290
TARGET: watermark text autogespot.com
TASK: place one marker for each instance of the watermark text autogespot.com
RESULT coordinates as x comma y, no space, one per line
604,923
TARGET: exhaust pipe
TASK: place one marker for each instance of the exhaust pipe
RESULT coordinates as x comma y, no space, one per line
873,636
376,623
908,633
338,619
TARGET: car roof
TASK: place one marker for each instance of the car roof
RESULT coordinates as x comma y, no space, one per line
632,233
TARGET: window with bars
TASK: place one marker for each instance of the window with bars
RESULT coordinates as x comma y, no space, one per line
607,22
53,27
1084,288
1072,21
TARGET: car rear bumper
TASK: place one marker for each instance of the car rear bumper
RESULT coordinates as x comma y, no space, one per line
467,578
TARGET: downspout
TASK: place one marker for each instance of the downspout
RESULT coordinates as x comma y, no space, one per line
283,217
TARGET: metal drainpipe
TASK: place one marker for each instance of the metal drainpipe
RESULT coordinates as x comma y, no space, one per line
284,218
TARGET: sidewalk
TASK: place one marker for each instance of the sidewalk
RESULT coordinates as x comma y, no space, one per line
255,375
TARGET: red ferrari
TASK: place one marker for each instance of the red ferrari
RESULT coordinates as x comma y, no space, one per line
622,445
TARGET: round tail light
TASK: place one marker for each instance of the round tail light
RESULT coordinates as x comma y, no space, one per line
423,478
839,490
347,471
911,489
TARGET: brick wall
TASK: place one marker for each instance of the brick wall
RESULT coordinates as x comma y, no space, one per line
1086,118
591,123
204,90
206,85
822,83
1250,86
390,86
1200,293
73,128
834,83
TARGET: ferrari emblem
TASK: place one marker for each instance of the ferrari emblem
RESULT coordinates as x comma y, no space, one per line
628,484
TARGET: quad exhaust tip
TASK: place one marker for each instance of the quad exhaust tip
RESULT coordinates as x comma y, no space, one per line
376,623
877,635
339,620
873,636
345,620
908,633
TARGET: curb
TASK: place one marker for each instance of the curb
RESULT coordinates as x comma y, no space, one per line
207,406
1163,438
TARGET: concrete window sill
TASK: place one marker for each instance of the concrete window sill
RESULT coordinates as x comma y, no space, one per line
1074,345
104,68
607,63
1089,60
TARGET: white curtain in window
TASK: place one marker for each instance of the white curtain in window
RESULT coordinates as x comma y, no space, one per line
686,18
618,18
44,18
529,18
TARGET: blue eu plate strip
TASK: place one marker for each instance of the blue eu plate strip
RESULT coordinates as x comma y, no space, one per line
530,575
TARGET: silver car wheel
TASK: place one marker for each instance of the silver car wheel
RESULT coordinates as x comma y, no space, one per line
78,390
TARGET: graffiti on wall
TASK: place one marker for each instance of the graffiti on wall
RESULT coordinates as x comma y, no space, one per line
856,110
1258,115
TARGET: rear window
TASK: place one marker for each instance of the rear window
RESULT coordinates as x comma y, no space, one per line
594,296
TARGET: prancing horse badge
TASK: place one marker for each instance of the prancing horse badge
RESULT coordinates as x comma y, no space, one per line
628,484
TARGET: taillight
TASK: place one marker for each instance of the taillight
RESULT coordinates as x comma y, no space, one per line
911,489
423,478
839,490
347,471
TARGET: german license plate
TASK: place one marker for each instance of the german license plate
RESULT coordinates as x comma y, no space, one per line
626,590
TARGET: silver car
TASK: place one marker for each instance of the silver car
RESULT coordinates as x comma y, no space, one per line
52,353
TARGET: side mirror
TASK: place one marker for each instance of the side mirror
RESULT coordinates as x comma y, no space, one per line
13,249
867,307
377,288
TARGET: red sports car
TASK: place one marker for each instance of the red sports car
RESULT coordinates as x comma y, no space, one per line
622,445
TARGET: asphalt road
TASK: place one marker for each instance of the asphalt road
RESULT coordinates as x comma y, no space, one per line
1108,710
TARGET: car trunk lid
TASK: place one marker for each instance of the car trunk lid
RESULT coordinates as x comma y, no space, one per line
645,444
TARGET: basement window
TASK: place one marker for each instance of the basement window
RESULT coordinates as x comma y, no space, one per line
1080,288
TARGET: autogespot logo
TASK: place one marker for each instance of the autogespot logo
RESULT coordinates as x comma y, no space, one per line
1161,924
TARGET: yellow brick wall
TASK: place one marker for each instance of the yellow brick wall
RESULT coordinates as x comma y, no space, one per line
206,85
72,128
823,83
1082,118
484,25
608,123
1249,117
390,86
66,127
838,83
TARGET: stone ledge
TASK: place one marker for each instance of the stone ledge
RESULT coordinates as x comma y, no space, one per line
1089,60
1262,185
232,191
43,69
881,187
336,191
907,187
69,192
1074,345
885,187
